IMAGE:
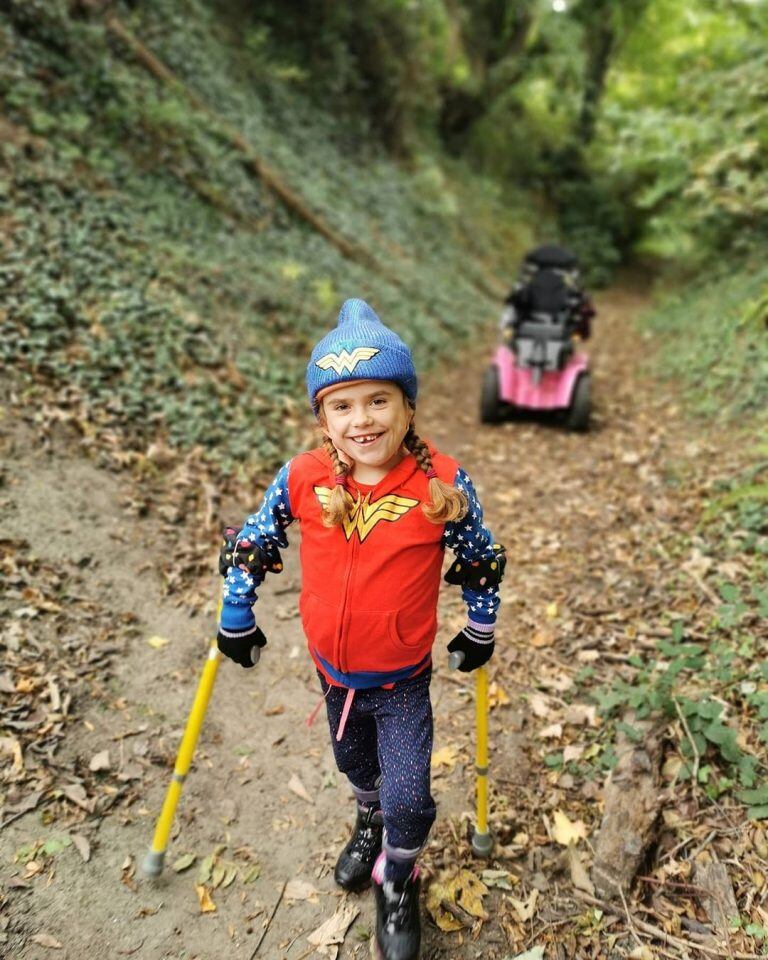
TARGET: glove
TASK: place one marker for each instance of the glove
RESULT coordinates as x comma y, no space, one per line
238,632
475,643
479,574
257,560
239,648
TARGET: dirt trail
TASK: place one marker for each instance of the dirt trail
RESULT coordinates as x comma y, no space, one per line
580,516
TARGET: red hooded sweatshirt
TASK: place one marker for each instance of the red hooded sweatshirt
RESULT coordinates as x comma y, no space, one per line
369,587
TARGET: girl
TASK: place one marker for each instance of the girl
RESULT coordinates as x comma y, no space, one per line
377,507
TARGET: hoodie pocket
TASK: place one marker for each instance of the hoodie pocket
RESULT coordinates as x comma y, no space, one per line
319,620
415,628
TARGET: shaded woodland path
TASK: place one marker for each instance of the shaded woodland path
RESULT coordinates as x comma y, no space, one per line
585,520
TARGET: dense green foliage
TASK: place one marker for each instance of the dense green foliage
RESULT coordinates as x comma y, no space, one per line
711,339
686,120
149,269
643,122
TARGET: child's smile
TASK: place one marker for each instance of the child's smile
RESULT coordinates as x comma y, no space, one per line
367,422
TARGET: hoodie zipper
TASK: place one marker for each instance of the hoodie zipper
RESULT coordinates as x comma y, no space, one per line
343,633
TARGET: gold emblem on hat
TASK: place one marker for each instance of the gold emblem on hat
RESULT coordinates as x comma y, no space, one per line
346,360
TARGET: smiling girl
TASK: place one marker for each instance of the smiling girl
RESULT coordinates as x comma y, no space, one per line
377,506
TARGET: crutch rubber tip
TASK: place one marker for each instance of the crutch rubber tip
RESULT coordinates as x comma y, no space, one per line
152,865
482,844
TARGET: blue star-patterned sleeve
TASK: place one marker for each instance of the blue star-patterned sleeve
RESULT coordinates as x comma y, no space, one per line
273,516
470,539
267,524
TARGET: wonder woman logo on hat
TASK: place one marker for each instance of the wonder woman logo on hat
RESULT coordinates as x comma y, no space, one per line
346,360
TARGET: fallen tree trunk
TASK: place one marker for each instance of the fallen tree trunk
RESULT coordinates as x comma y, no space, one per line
631,810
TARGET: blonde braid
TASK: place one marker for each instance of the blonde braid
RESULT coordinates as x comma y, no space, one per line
335,512
447,503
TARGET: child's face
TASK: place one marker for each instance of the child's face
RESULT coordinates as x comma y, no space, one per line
367,421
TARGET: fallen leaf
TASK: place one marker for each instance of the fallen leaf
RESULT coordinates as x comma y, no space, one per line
157,642
543,638
579,876
76,793
331,933
82,845
580,714
642,952
46,940
463,889
502,879
535,953
28,803
539,704
497,696
587,656
184,862
300,890
565,831
206,869
99,761
127,871
445,757
204,899
299,789
147,912
553,732
552,610
525,909
572,752
12,746
559,684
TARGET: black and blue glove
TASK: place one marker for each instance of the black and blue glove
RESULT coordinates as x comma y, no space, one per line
258,560
238,633
475,643
239,647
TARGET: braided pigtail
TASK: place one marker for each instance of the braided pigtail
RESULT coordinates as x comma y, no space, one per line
447,503
335,510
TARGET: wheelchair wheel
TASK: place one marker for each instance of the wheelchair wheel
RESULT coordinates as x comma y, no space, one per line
490,408
577,418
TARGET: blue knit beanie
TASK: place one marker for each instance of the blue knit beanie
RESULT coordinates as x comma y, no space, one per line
360,347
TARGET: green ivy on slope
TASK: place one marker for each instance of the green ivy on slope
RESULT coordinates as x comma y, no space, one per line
148,272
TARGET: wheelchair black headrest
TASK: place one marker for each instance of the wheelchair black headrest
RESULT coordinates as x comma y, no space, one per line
553,256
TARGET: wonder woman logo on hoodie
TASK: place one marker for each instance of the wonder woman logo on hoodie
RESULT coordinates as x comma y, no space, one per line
364,515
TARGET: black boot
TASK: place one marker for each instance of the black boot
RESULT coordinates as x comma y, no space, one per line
398,929
354,866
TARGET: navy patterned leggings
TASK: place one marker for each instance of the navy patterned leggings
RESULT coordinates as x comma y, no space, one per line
386,751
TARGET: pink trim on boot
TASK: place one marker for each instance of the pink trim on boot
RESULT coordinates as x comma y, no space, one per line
377,874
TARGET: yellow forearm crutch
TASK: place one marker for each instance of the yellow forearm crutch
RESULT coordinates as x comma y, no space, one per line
482,841
153,861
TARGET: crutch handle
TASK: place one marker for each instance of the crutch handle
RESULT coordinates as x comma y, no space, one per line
456,659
